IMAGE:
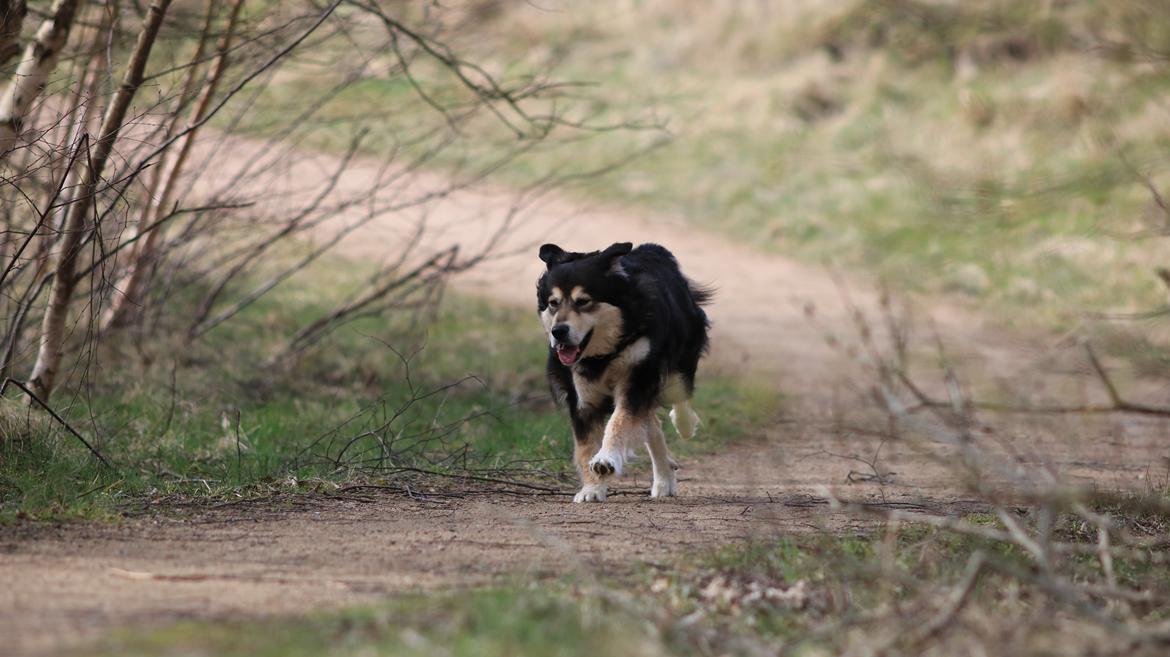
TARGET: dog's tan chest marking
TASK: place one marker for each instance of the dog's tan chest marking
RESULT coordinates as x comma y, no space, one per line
592,392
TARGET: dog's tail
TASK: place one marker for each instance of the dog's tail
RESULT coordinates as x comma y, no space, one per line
701,294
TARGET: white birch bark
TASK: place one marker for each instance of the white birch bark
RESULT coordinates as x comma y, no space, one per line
36,64
44,374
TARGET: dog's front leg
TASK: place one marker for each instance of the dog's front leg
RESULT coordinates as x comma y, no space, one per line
623,431
586,441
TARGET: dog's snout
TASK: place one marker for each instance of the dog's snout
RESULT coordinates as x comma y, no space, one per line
560,331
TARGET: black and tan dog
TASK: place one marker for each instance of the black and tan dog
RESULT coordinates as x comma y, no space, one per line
626,330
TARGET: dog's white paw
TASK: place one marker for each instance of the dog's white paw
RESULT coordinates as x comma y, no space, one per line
664,486
607,462
590,493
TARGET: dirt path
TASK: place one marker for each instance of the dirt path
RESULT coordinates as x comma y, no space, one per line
760,327
68,584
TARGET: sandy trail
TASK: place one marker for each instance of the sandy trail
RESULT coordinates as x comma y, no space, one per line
66,585
760,327
63,585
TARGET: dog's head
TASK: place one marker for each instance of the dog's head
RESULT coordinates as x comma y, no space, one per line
578,299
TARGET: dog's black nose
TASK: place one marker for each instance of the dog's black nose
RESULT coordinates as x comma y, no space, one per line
560,331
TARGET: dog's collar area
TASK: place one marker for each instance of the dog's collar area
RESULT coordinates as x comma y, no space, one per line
585,342
593,366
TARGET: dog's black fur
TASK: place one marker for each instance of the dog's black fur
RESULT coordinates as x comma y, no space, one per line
656,301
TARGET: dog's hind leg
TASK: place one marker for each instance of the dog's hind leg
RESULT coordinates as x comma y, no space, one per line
665,482
685,420
677,392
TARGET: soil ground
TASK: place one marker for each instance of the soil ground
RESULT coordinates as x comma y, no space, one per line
70,583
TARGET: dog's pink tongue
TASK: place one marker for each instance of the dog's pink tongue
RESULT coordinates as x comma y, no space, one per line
568,355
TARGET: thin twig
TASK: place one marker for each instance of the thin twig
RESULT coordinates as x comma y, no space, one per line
60,420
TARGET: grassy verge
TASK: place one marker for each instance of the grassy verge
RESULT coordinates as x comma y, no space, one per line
182,422
814,594
546,619
888,592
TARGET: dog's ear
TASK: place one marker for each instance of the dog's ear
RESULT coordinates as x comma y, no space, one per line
551,254
613,254
617,249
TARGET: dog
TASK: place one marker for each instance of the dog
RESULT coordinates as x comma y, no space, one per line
626,330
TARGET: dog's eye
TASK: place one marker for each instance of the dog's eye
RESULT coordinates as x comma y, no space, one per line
582,302
553,303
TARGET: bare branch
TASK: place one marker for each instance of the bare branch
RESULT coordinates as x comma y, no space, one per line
44,372
60,420
131,285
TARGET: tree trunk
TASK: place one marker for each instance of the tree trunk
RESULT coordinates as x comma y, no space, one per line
129,291
40,58
44,372
12,13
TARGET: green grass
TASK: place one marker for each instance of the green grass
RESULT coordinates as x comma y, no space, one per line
545,619
227,425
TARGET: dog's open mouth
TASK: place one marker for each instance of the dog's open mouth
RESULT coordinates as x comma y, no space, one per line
571,353
568,353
